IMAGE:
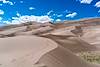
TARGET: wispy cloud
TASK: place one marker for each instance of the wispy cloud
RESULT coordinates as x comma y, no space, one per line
85,1
67,11
57,20
48,13
99,11
60,15
18,14
1,12
31,8
97,4
1,4
7,2
1,18
71,15
21,1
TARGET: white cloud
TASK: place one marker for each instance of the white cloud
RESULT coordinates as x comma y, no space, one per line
60,15
86,1
18,14
1,12
21,2
71,15
99,11
58,20
57,15
31,8
6,22
11,3
0,18
50,12
67,11
27,18
97,4
7,2
1,4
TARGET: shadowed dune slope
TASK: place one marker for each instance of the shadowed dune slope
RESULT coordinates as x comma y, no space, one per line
71,42
60,57
32,51
38,31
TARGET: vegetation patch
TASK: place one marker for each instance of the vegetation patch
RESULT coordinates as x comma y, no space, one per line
91,57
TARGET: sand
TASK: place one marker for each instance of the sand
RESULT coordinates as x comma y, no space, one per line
48,45
12,31
71,42
23,51
29,51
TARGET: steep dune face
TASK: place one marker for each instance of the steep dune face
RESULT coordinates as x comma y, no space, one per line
60,57
32,51
71,42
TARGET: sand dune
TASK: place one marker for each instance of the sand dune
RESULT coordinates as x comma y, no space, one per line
38,31
10,32
48,45
29,51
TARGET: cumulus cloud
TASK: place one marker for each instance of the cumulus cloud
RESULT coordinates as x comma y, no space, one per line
85,1
27,18
97,4
7,2
71,15
1,12
31,8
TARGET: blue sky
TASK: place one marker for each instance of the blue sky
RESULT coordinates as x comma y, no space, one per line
16,11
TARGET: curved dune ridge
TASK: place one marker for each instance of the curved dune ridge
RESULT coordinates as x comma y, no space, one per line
71,42
32,51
